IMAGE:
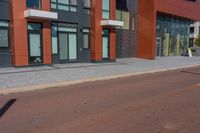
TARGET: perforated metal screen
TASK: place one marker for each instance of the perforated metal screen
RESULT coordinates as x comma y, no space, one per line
125,43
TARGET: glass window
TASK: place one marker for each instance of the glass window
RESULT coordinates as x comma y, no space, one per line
34,4
72,46
106,9
3,38
125,17
191,30
4,33
86,38
67,29
34,26
87,6
54,33
133,23
65,5
174,34
126,20
58,28
73,2
199,30
4,24
87,3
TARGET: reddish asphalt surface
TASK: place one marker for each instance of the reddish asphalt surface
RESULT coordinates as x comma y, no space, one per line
166,102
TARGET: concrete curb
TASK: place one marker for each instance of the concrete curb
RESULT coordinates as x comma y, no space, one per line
8,91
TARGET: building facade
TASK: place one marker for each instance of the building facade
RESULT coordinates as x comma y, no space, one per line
36,32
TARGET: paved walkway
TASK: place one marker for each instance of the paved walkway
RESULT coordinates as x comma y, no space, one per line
18,77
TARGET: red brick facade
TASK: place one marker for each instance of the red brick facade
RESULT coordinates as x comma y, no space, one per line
147,12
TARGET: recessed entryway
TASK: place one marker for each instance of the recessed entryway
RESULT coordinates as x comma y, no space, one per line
35,43
67,46
105,44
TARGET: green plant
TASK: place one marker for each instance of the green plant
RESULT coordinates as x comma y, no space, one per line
197,42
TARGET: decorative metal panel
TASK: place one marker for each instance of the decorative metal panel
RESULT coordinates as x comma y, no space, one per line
126,43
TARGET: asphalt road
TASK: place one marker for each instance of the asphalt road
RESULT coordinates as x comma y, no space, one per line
166,102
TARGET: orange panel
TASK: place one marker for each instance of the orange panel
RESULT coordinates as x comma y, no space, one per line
46,5
112,44
112,31
180,8
96,31
19,33
47,51
146,29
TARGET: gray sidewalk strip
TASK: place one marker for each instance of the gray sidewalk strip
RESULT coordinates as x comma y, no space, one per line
53,67
68,83
64,74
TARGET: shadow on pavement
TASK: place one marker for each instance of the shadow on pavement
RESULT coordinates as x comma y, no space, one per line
6,106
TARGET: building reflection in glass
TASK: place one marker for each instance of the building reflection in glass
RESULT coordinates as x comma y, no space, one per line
173,33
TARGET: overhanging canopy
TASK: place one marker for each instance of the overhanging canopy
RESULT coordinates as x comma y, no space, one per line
114,23
31,13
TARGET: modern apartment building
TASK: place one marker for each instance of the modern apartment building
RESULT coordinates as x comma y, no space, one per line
36,32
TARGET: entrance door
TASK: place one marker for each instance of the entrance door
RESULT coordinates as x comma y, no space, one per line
67,46
105,44
35,47
63,46
105,47
72,46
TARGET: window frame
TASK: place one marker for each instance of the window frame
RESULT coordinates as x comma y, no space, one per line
106,11
87,9
86,33
192,30
8,30
69,6
40,8
199,30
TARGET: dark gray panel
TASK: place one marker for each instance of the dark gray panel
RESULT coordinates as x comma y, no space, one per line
85,56
83,21
4,10
5,58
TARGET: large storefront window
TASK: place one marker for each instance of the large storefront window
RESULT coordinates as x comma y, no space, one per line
34,4
4,33
172,35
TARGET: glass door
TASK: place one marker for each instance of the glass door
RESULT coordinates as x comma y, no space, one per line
72,46
105,44
35,47
105,47
67,46
63,46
